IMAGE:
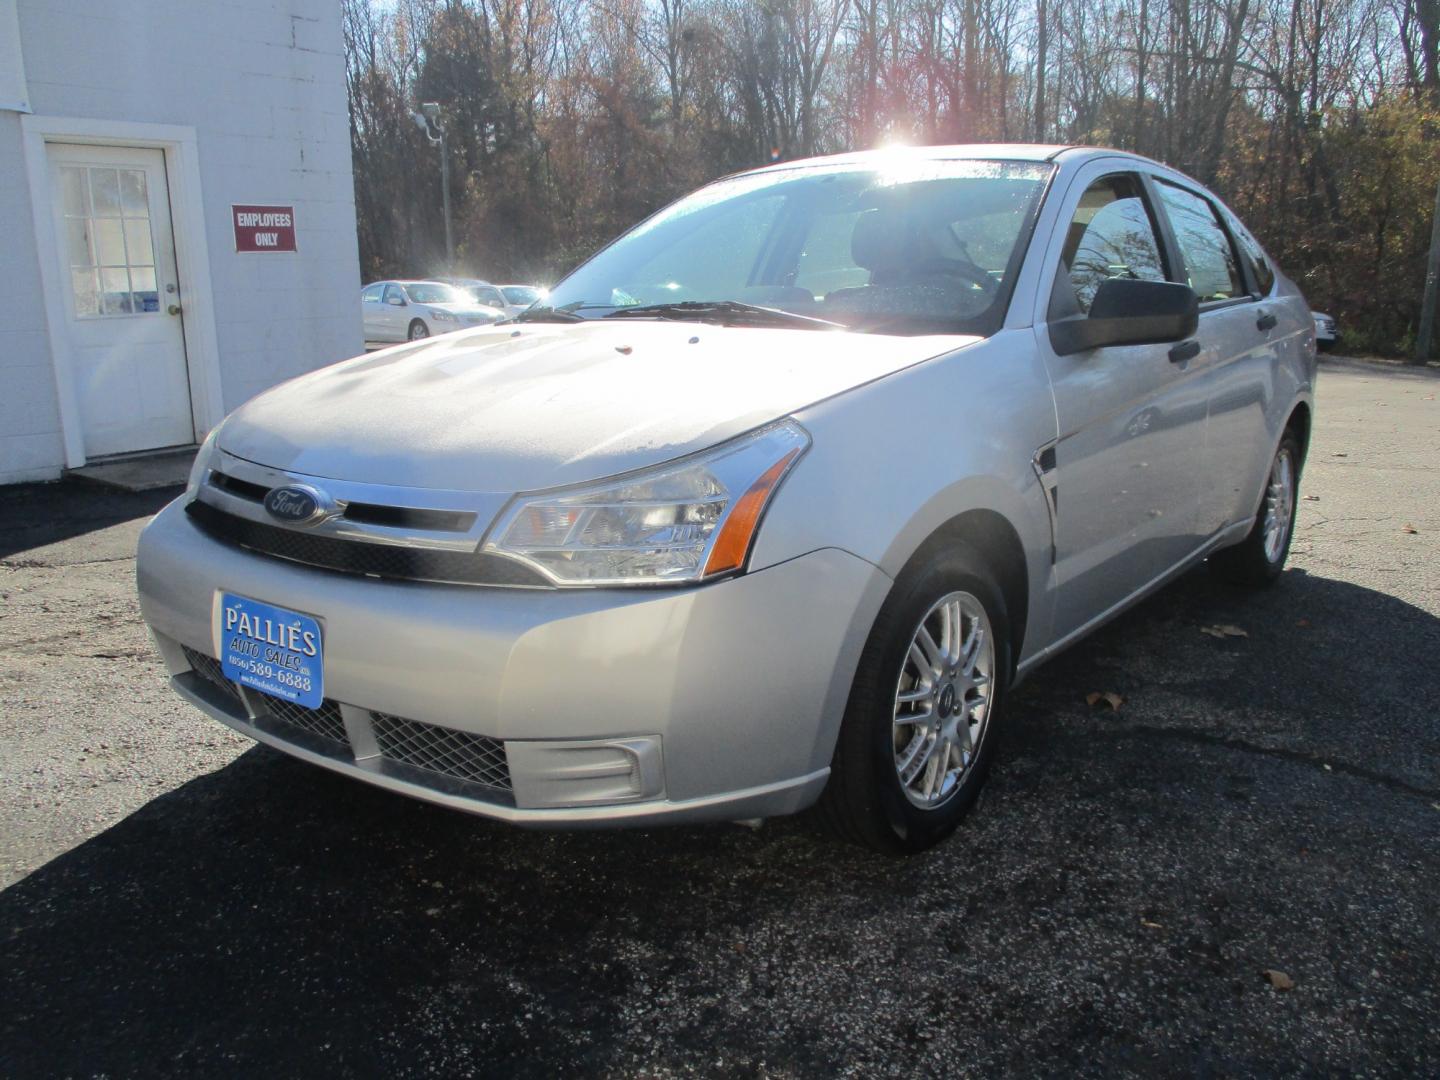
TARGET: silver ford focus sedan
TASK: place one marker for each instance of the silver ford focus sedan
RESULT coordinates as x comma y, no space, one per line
768,505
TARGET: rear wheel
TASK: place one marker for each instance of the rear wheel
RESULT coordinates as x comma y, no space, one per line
918,733
1259,558
418,331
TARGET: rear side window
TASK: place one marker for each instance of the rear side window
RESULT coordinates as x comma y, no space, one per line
1210,262
373,293
1111,235
1253,254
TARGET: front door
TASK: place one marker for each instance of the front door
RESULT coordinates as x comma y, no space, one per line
1131,421
125,342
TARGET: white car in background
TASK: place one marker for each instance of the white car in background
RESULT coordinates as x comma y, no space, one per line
413,310
511,299
1326,336
482,292
520,297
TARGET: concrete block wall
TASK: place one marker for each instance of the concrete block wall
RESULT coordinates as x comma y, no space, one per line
31,447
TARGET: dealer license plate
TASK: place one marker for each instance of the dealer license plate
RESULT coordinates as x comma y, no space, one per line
272,649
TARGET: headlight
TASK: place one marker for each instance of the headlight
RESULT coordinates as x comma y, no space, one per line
442,316
683,522
203,459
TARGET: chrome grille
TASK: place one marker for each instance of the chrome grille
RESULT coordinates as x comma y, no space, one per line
475,758
361,557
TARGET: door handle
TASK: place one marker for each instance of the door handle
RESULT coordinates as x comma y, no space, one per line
1266,321
1186,350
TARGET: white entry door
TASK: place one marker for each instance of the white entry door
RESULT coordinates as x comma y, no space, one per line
126,346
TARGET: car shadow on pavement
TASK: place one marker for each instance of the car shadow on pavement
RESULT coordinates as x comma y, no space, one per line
36,515
1109,906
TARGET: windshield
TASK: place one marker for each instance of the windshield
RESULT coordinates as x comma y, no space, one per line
520,294
915,246
429,292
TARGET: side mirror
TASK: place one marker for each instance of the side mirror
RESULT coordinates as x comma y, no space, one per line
398,301
1127,311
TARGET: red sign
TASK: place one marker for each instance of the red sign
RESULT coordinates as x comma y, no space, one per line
264,228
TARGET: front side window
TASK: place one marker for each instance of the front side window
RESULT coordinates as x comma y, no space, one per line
394,295
1110,236
913,245
1210,262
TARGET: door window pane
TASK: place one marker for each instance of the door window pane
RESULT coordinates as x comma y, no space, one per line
74,193
1111,236
108,241
87,297
1209,257
132,193
105,188
138,251
115,291
77,246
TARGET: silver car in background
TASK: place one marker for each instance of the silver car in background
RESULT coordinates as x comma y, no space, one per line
413,310
770,504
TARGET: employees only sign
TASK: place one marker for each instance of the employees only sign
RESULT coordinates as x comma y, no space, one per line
264,228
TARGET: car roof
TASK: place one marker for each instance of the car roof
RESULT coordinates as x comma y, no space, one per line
1070,154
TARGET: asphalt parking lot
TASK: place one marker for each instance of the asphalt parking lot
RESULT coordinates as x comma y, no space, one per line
176,900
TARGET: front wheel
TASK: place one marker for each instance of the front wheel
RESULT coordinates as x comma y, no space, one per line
1259,558
418,331
918,732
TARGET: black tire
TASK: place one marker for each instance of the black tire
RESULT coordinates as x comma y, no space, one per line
1248,562
418,331
864,801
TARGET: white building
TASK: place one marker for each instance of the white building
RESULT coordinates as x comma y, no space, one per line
158,161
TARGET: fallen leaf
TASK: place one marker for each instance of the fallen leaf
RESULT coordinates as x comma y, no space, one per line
1327,767
1278,979
1223,631
1312,498
1150,925
1409,529
1339,455
1429,397
1095,697
1302,622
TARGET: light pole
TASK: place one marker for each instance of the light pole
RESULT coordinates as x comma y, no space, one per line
429,120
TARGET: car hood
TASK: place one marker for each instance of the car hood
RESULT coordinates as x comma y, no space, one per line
518,408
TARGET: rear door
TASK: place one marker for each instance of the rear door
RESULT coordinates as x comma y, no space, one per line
1131,419
1239,331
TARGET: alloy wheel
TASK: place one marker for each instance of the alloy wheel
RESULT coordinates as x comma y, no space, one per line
942,699
1279,504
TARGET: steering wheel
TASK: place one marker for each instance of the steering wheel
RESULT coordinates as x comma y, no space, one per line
956,268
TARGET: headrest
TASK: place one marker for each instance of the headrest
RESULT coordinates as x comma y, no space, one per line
879,240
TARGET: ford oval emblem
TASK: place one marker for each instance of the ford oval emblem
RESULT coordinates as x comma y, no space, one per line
297,504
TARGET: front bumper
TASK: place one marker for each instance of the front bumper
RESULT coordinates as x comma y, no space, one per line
612,706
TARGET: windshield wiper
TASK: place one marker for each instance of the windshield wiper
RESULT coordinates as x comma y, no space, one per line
547,314
726,312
